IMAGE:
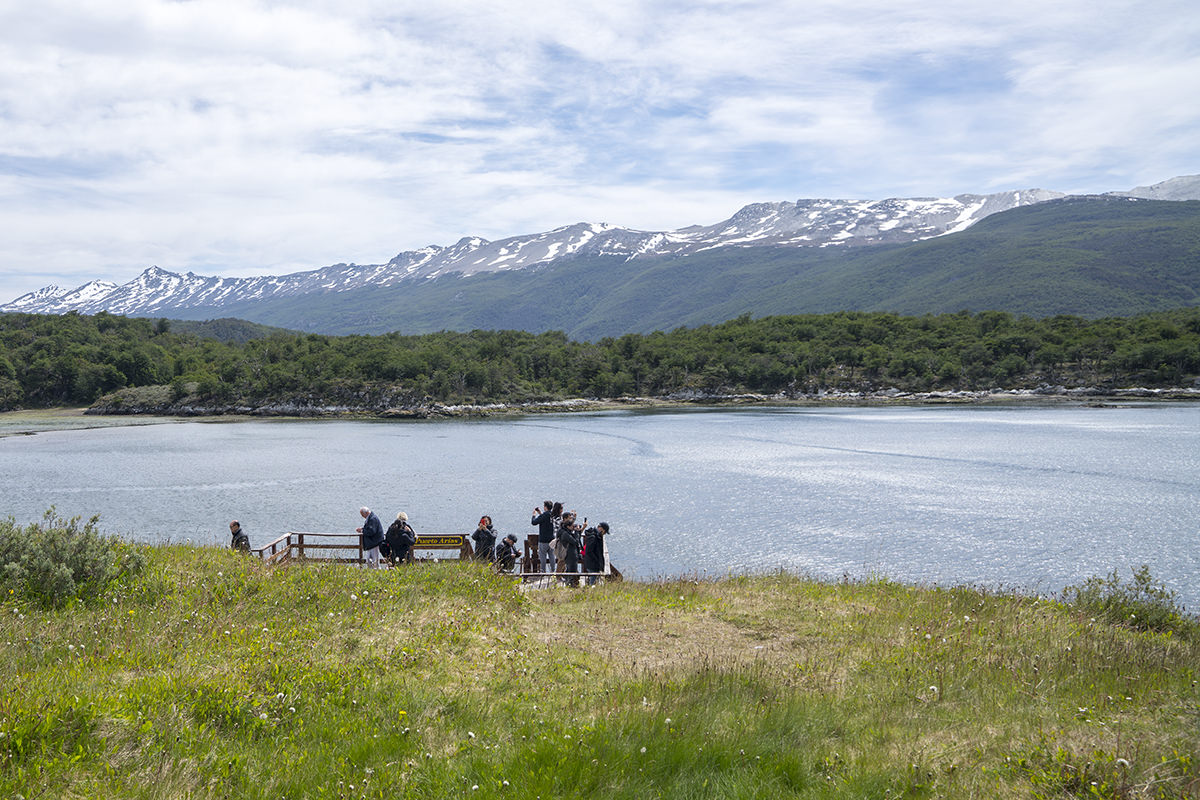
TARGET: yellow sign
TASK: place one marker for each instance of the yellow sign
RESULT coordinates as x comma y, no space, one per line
441,540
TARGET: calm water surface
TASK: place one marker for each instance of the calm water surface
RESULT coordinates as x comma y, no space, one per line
1026,497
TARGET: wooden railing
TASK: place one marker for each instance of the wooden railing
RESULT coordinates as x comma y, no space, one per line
311,546
346,548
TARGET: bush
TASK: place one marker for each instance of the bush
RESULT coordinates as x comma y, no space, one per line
56,561
1143,604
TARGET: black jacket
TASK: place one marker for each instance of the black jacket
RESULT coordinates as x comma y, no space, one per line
400,537
593,557
240,540
506,555
545,524
570,540
485,543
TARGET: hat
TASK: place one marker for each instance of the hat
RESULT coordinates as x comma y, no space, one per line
402,516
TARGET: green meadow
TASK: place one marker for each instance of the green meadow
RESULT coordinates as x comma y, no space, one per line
200,673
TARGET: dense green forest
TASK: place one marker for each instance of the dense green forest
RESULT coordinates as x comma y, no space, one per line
74,359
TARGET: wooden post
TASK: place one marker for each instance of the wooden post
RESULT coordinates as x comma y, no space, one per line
530,562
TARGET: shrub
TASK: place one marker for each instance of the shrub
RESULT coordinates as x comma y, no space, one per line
57,560
1142,604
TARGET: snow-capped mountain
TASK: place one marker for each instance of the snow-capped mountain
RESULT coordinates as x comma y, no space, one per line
55,297
804,223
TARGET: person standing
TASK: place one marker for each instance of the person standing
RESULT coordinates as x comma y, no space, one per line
372,535
485,539
545,525
568,539
400,538
593,552
238,538
560,518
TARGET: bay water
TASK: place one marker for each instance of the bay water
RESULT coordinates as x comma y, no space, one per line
1026,497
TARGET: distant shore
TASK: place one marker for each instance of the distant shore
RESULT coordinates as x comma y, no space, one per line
38,420
101,415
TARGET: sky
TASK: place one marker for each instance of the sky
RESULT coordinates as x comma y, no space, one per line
241,137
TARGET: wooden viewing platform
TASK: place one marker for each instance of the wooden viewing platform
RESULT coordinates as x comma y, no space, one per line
346,548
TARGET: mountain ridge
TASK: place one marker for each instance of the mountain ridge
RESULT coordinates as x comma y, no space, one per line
811,225
811,222
1087,256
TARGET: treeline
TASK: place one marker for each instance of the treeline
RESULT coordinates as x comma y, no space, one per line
74,359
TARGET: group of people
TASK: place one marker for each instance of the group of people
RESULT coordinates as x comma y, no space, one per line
563,542
392,544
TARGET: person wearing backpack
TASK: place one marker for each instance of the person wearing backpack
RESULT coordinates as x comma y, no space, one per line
568,538
238,538
400,538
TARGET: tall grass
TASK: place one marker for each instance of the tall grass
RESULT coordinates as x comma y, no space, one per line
209,675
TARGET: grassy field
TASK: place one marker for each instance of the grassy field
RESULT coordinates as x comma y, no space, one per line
210,676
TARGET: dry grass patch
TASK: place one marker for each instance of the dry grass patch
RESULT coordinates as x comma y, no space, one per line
657,638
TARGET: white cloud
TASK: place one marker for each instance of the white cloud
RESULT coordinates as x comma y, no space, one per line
244,136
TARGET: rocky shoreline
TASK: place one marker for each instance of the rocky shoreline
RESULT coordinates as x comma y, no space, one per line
151,403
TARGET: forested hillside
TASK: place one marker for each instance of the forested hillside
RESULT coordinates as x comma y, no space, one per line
73,359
